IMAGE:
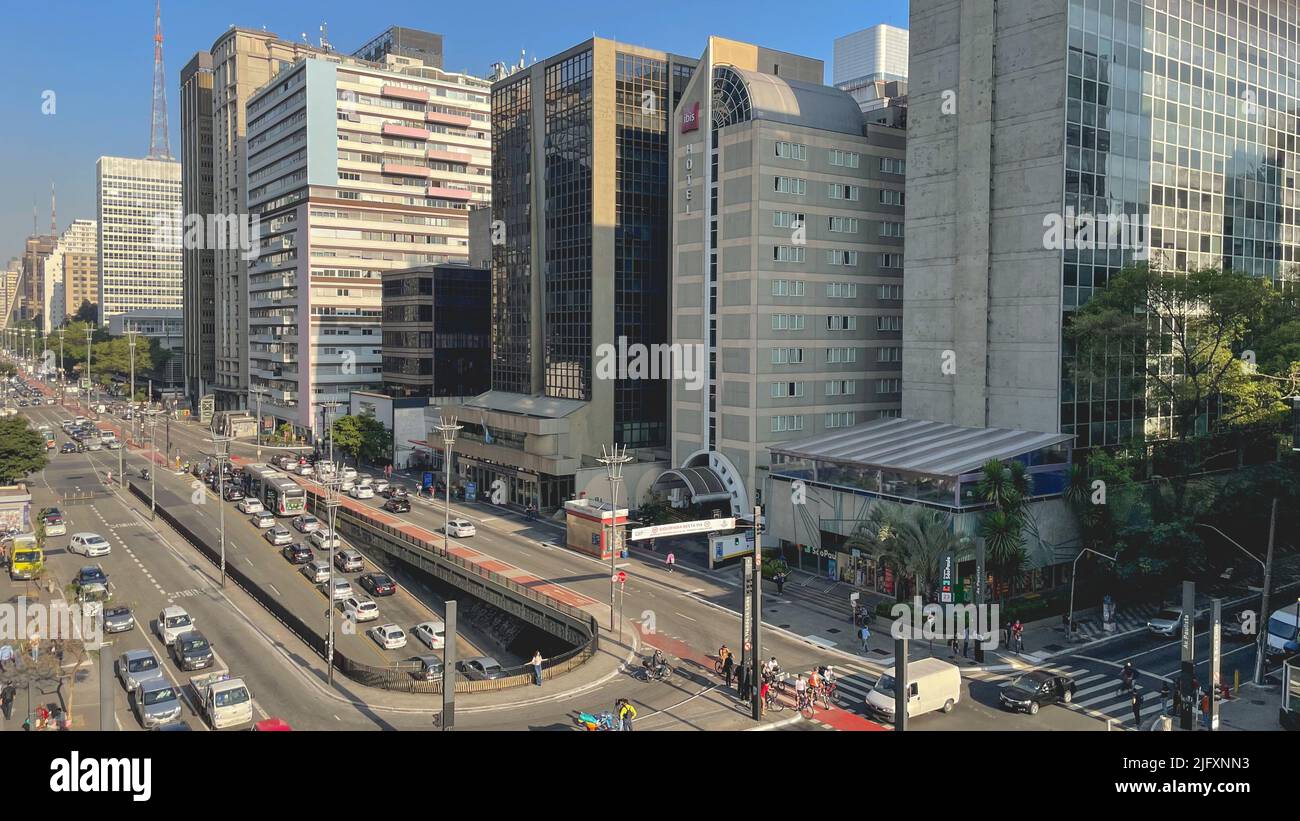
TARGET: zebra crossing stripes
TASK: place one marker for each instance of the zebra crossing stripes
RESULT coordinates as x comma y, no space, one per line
1095,693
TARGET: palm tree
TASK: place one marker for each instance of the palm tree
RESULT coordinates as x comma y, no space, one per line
914,540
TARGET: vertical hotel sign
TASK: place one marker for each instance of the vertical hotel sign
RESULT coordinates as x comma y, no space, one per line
691,118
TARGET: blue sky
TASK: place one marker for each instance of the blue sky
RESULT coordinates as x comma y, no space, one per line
71,48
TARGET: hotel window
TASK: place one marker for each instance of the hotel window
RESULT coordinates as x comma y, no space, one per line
840,191
780,424
839,419
889,385
890,165
787,322
844,159
887,292
788,287
891,260
891,229
791,185
788,253
889,323
841,257
842,290
840,355
787,390
843,225
791,151
841,387
889,354
787,219
892,413
787,356
839,322
890,196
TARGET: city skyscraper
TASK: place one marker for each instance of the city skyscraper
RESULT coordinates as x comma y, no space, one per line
71,273
1159,113
138,210
199,261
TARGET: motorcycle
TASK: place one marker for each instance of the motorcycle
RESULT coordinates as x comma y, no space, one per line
144,474
600,722
650,672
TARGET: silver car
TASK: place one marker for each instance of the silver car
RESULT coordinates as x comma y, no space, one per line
317,571
278,535
1168,622
156,702
118,620
305,523
138,667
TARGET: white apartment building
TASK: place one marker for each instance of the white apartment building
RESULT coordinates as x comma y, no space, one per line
139,234
354,168
70,272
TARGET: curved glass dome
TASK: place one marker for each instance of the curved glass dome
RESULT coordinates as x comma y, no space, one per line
731,102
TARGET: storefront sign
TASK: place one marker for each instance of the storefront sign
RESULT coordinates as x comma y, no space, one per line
691,118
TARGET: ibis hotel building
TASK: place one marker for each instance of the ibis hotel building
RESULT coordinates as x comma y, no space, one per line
354,168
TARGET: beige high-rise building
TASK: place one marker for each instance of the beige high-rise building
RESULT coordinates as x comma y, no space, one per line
9,291
372,167
71,273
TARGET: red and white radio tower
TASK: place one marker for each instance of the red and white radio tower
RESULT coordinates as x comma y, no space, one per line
159,143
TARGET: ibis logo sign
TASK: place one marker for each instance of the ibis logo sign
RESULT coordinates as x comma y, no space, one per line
691,118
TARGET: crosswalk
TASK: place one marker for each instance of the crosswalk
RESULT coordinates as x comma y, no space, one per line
1126,619
1096,693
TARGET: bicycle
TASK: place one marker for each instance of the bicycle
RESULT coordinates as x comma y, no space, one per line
827,695
774,703
661,673
804,704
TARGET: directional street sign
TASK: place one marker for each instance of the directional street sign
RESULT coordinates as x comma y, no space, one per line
683,528
622,577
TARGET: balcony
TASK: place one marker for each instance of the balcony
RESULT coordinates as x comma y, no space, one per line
449,193
394,130
449,156
402,170
448,119
403,93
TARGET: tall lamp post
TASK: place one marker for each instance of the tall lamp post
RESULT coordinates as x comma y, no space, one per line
220,447
90,335
130,342
62,373
257,391
331,507
325,408
1073,575
1262,640
448,428
613,462
153,459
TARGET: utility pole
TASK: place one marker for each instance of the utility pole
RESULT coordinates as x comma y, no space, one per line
331,515
153,453
1268,585
221,445
130,341
1074,572
447,427
258,393
613,460
90,333
62,392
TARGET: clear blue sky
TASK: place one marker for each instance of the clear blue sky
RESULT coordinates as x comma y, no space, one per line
97,57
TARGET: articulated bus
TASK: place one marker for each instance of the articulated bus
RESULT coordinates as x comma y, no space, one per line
281,495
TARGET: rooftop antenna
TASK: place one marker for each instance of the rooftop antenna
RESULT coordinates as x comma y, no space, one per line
159,142
325,37
54,223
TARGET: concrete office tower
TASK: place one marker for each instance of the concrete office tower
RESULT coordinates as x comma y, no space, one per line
71,273
354,168
198,261
580,181
31,281
1151,112
139,234
787,266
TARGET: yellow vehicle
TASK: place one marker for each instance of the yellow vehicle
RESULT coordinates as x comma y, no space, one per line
26,559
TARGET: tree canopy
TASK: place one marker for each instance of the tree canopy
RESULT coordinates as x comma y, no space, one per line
22,449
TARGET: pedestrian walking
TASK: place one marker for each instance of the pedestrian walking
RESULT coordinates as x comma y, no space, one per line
728,667
537,668
1205,710
1018,636
1178,699
779,578
1164,698
626,712
1137,707
670,561
762,697
1010,630
952,646
865,635
7,694
652,546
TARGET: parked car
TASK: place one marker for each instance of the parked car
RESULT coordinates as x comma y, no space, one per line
191,651
323,539
388,636
1034,689
137,667
362,492
460,528
263,519
172,622
305,523
431,633
348,560
247,505
359,609
480,669
398,505
316,571
297,553
278,534
89,545
156,703
342,589
378,584
118,619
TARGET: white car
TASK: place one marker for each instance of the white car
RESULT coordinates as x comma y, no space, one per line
388,636
262,520
317,571
362,492
305,523
277,535
89,544
432,633
172,621
250,505
305,469
342,589
365,479
321,539
350,473
346,485
460,528
380,485
359,609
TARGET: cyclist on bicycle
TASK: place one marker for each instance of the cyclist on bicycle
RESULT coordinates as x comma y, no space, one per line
723,653
814,682
800,689
828,675
1127,676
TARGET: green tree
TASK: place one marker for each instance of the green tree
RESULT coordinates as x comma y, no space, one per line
913,539
364,436
87,313
1008,488
22,449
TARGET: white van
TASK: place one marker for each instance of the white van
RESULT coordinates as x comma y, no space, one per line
1283,629
932,685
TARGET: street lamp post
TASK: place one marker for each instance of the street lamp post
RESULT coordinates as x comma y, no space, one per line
1074,575
61,374
90,334
153,459
258,393
613,462
447,427
331,508
1262,641
221,446
130,341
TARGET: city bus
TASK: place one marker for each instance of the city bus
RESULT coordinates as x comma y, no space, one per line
49,438
281,495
